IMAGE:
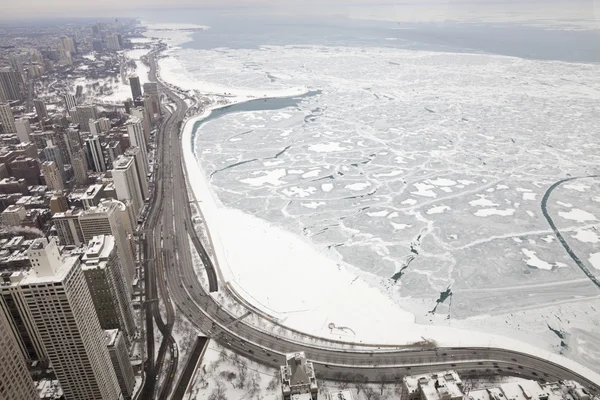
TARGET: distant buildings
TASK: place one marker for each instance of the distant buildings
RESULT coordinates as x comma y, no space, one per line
70,102
61,306
15,381
112,42
298,379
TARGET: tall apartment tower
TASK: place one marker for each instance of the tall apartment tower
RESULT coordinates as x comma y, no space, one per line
23,129
70,102
68,44
53,153
96,153
127,183
57,295
79,165
68,227
13,307
142,169
40,109
136,88
151,90
112,42
137,137
15,381
107,284
120,359
106,220
7,119
52,176
9,81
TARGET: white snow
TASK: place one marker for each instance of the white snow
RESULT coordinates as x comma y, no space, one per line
482,202
382,213
486,212
441,182
529,196
437,210
311,174
560,203
326,147
534,261
327,187
358,186
410,202
270,177
587,236
400,226
578,187
577,215
313,204
424,190
595,260
296,191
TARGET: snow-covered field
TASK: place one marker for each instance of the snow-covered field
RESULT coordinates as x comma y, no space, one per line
407,190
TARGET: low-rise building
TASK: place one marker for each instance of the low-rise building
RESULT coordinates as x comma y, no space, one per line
298,379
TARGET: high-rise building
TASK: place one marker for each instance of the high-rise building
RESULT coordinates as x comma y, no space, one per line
142,169
108,286
82,116
23,129
68,228
136,88
40,109
15,381
141,113
70,102
135,130
112,42
68,44
52,176
120,360
12,306
79,165
106,220
9,81
7,119
53,153
153,96
127,183
61,306
96,153
58,202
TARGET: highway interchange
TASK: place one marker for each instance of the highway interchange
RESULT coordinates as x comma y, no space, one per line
169,267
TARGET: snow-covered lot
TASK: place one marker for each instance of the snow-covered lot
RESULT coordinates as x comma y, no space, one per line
409,183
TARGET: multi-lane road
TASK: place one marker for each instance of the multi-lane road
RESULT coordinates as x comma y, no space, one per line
332,359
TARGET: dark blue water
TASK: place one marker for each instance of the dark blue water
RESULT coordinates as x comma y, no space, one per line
252,30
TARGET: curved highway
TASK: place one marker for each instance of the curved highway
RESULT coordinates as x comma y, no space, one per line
332,359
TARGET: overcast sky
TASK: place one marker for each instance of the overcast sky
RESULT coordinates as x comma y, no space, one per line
373,9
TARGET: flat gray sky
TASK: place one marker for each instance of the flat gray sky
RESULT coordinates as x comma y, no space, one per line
399,10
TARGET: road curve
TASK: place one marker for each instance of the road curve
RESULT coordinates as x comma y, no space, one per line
332,359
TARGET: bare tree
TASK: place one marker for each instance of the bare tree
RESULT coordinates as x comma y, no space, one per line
228,376
243,373
360,383
381,380
218,392
369,393
223,355
254,384
274,383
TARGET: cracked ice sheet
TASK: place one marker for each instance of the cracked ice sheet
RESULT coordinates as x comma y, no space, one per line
376,134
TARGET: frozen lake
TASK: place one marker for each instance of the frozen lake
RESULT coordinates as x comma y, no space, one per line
422,172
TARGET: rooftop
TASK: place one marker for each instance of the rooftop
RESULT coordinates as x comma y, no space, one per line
111,336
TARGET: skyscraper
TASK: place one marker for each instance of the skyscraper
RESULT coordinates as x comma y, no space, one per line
70,102
141,113
82,116
68,44
142,169
57,295
7,119
112,42
40,109
137,137
136,88
15,381
96,153
108,286
53,153
79,165
13,307
68,228
52,176
127,183
106,220
23,129
120,359
9,81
